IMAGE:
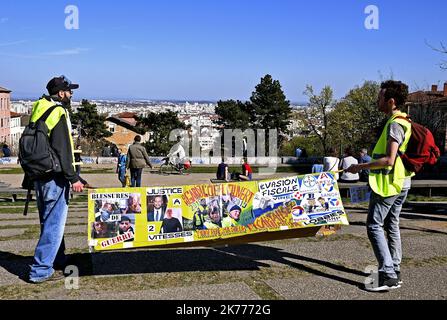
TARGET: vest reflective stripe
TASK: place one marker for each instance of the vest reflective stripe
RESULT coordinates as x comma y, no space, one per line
389,181
39,109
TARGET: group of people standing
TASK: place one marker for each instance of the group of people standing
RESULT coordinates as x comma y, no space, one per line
135,160
333,163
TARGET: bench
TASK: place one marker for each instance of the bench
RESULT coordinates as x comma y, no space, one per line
415,184
13,193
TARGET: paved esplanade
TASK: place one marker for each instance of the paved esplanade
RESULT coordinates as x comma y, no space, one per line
330,268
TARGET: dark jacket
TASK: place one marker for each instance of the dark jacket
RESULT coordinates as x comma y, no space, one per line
6,152
137,157
60,142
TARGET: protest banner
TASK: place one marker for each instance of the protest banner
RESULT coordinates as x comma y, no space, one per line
208,213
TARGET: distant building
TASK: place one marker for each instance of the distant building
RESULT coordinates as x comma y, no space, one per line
5,116
209,131
430,107
21,107
16,130
123,129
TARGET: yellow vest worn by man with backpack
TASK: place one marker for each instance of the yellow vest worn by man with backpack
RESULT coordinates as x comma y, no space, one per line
389,181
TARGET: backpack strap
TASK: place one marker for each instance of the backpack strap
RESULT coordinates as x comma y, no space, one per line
28,199
404,118
47,113
399,153
29,196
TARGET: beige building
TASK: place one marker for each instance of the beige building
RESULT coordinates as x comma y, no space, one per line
5,115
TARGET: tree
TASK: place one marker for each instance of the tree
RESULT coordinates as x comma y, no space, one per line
270,109
160,126
310,143
91,125
355,120
316,115
442,49
234,114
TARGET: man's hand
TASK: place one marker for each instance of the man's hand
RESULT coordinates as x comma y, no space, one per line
355,168
78,187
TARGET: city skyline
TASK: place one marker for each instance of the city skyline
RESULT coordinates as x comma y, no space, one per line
202,51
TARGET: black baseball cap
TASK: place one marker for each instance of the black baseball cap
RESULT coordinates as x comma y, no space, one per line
60,83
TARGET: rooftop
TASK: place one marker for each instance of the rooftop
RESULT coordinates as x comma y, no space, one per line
4,90
434,96
126,115
15,115
125,124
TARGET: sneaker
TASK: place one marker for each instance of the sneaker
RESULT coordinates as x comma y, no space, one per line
399,279
385,284
56,276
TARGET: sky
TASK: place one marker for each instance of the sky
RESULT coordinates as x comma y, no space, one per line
211,50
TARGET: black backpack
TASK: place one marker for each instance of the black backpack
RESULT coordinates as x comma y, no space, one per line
36,155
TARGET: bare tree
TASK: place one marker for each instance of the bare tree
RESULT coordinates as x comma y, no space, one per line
442,49
317,113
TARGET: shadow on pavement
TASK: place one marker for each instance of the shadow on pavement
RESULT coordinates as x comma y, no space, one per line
15,264
139,262
363,224
260,252
235,258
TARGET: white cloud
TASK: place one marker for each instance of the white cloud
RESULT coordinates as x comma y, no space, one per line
7,44
127,47
67,52
20,56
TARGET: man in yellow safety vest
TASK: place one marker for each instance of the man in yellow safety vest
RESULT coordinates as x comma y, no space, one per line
390,183
52,193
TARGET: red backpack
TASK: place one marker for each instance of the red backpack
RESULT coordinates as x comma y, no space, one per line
421,149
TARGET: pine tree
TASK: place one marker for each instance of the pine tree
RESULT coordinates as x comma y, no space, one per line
160,125
270,109
234,114
91,125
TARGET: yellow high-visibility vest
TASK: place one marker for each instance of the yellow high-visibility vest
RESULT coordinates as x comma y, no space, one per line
389,181
40,107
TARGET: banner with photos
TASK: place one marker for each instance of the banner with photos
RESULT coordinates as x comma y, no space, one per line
157,216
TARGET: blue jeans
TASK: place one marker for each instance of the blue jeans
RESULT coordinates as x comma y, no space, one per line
383,216
52,202
135,177
122,177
